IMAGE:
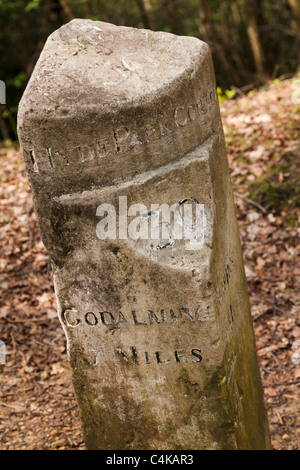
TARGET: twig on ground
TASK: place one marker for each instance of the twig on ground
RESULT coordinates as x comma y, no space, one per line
253,203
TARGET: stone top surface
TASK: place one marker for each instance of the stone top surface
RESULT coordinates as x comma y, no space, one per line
92,63
105,103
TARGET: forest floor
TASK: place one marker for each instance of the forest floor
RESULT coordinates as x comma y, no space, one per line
37,405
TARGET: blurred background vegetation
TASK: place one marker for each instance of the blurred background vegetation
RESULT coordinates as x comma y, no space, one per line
252,41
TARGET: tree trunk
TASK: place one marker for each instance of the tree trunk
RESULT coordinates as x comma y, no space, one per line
207,33
66,9
103,11
236,14
253,8
295,7
174,17
147,13
3,127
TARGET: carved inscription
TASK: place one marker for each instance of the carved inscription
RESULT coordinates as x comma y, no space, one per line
72,318
225,280
133,356
124,139
222,293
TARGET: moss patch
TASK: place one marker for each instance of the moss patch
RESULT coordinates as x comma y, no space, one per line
278,189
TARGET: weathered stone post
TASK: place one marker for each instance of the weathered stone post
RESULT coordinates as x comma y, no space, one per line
158,327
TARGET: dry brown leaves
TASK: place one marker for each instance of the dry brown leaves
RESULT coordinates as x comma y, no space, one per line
38,409
259,130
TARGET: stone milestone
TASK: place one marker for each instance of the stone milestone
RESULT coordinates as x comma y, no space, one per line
116,125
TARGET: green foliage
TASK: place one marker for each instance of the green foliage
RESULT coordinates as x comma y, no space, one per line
17,81
292,220
226,95
32,5
274,194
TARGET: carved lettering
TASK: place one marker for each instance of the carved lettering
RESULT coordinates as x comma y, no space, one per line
136,322
197,353
132,356
72,318
107,318
124,139
91,319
